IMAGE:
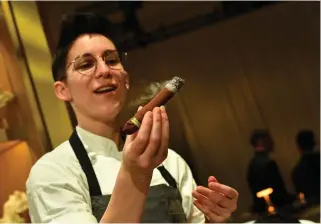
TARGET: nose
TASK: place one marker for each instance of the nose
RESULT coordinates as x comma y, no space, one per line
103,69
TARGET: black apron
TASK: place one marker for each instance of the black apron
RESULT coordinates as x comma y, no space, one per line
163,204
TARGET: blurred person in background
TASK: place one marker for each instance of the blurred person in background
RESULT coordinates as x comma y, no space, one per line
263,172
306,173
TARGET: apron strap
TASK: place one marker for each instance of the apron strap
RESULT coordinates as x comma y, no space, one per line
167,176
83,158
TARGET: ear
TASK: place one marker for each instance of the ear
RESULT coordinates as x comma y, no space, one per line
126,78
62,91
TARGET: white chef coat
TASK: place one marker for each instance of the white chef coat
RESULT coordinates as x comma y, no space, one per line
57,187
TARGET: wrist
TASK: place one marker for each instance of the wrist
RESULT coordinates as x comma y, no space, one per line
141,180
129,194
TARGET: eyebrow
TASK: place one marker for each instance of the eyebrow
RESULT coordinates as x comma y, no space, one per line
87,53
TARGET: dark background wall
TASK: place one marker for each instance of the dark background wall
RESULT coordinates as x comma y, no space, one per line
259,70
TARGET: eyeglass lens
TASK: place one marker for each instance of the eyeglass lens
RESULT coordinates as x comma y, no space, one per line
87,63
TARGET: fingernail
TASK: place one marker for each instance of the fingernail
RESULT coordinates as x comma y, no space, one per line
212,179
162,107
140,107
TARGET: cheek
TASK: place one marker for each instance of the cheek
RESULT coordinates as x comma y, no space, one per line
121,77
122,90
79,89
122,96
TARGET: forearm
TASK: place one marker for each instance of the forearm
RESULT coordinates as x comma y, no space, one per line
128,198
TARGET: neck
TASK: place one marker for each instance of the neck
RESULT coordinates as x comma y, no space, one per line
104,129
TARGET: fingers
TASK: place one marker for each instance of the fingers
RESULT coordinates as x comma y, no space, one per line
210,215
217,198
130,138
155,136
212,179
213,207
151,141
163,151
226,190
214,203
143,135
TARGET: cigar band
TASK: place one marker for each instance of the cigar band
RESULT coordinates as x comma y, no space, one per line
135,121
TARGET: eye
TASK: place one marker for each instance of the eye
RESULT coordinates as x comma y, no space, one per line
85,63
112,61
111,58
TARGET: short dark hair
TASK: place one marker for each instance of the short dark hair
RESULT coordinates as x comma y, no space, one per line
305,140
258,134
73,25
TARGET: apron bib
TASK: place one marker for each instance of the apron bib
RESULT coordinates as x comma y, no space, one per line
163,203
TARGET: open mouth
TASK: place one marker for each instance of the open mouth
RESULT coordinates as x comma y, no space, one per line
105,89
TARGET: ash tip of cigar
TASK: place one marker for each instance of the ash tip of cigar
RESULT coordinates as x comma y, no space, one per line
178,79
175,84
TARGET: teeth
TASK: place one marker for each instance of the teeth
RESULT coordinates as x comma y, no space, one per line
104,89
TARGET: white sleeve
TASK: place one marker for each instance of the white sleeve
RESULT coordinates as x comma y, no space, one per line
186,184
56,196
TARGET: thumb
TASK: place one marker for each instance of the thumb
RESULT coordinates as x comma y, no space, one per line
212,179
130,138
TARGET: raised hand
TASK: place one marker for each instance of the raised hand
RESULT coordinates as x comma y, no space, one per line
147,148
217,202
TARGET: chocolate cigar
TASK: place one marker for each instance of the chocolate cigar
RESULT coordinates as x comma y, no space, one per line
133,124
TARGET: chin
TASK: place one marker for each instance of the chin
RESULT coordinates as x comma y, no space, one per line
110,113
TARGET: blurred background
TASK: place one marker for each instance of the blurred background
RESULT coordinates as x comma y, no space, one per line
247,65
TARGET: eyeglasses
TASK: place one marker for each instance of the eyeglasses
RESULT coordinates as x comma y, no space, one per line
86,64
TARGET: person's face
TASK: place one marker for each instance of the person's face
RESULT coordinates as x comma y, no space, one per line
269,144
101,94
265,144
